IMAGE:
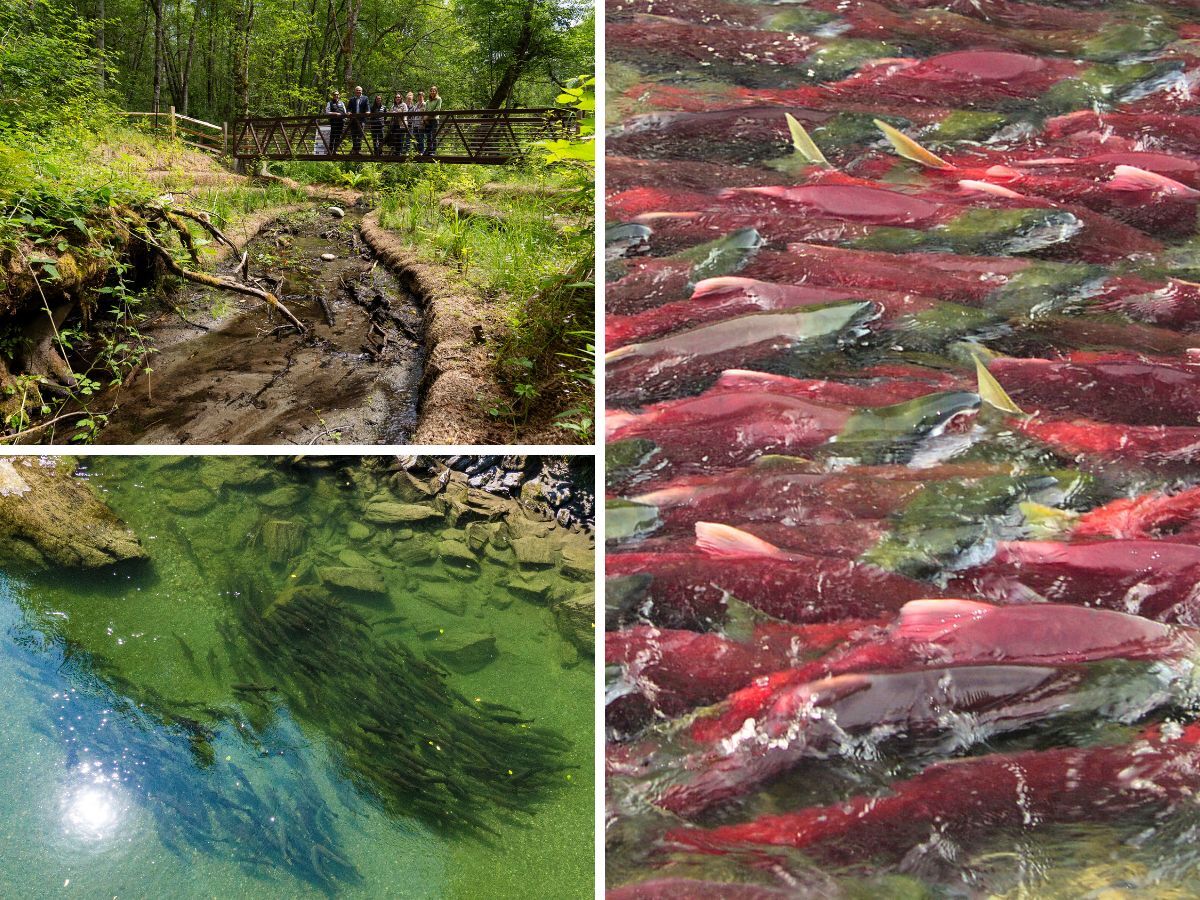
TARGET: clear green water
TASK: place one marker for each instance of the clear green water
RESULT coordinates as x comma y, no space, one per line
134,769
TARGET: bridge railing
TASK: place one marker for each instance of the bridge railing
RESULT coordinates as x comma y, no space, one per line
193,132
483,136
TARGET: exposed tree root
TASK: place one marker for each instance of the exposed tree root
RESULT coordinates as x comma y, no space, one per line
43,358
228,284
174,220
38,305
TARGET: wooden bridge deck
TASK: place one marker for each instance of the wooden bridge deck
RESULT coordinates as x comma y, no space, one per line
463,136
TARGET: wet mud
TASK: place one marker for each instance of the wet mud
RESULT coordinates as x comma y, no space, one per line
228,370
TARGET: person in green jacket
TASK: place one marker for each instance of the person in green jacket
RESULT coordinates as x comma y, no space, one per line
432,105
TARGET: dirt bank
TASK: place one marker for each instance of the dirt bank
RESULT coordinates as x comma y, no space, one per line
457,387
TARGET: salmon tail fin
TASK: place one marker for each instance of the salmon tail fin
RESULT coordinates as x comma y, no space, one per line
986,187
928,620
622,352
804,145
721,283
715,539
910,149
991,393
1131,178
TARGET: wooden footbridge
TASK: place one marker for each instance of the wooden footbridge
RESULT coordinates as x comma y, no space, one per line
464,136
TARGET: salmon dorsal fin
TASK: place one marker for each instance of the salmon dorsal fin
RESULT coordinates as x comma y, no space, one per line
986,187
999,171
1131,178
990,391
928,620
716,539
804,145
719,283
910,149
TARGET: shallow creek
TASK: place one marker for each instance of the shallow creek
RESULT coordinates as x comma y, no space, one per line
232,719
229,371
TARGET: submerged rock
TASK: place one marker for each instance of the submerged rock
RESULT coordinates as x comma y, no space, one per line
579,562
283,540
456,553
288,495
537,588
477,536
357,531
389,512
233,471
364,581
454,604
48,517
353,559
532,551
193,501
576,619
465,653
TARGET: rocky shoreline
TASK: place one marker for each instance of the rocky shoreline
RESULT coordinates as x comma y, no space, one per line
442,518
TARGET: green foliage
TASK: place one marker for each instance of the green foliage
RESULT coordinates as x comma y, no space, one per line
48,68
296,52
580,96
530,248
535,36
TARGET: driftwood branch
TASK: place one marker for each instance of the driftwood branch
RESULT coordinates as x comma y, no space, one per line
145,234
211,229
42,426
228,284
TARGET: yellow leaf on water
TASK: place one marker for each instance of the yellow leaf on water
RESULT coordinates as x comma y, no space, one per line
804,145
991,393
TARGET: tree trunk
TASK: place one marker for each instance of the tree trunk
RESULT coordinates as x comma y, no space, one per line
348,44
158,52
302,79
241,77
210,92
101,75
185,80
520,58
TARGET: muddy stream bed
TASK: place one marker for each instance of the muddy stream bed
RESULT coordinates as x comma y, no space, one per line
230,371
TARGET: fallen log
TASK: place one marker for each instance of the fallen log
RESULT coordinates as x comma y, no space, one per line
228,284
173,219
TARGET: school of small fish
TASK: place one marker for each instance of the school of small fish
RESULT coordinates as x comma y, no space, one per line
903,446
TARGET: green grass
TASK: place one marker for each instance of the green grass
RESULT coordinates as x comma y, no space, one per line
232,203
533,258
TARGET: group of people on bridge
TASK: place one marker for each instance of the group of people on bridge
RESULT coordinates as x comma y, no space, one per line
415,128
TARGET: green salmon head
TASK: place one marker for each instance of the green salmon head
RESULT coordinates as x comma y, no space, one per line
910,420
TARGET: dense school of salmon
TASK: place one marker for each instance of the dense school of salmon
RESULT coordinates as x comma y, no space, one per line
903,375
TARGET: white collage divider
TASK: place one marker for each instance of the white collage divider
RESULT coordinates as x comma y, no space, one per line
601,107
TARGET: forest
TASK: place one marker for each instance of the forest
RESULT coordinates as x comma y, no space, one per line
216,59
102,219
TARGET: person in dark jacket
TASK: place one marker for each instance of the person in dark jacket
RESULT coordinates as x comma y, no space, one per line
336,110
358,107
378,108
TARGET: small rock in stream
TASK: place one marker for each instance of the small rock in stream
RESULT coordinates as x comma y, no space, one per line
365,581
337,212
328,257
